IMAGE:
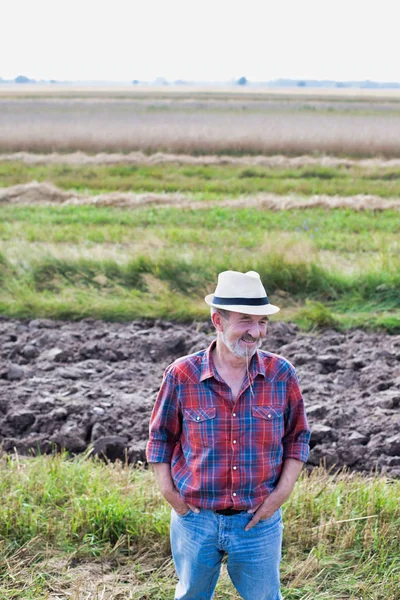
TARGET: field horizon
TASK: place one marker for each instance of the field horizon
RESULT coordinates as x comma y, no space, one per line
220,88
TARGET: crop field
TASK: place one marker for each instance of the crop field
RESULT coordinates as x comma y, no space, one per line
124,204
199,122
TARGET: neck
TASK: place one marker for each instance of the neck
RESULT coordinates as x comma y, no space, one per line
224,357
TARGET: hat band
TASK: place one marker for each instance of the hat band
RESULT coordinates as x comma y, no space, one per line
241,301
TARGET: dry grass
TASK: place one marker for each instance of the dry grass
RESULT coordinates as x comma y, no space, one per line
139,158
47,194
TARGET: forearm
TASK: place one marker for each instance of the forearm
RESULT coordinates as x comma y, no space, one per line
290,473
163,477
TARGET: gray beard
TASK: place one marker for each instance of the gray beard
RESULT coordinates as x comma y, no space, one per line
237,350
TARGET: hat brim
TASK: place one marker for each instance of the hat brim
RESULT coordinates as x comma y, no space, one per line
265,309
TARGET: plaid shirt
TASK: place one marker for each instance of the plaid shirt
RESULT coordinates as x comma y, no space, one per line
225,452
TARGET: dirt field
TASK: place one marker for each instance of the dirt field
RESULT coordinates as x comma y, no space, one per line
72,385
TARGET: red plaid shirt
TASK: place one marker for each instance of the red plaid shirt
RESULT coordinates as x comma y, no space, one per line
227,453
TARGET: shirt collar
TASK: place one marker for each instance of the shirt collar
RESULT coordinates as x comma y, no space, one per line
207,366
257,365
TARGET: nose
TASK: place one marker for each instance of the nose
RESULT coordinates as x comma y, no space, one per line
256,330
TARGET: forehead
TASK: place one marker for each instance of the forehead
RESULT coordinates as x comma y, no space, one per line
235,317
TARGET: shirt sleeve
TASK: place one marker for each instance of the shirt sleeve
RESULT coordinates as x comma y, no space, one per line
165,422
297,432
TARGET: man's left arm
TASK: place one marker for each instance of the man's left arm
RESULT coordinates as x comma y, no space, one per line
296,448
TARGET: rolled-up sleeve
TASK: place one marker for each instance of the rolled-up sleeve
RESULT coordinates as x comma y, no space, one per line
165,422
297,432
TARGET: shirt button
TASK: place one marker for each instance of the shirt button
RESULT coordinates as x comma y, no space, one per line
234,494
234,442
233,414
234,468
269,416
198,418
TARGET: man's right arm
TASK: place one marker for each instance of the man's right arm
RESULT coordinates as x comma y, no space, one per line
165,423
165,430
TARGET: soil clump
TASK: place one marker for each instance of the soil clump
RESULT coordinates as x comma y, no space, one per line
91,384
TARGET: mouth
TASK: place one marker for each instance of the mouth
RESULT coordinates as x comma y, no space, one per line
248,340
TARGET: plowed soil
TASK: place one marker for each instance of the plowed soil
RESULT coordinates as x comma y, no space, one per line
93,384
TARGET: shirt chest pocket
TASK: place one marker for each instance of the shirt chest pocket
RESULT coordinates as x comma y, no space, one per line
268,424
199,425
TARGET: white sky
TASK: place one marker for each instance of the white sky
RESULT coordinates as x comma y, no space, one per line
200,40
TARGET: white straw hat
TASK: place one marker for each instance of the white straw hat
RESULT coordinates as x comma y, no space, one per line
241,292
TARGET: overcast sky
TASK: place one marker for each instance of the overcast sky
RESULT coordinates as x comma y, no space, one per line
200,40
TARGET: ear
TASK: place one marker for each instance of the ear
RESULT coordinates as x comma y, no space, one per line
218,321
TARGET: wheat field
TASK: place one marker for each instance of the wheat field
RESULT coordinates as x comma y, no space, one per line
199,122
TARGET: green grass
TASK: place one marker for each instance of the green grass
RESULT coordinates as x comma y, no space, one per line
341,229
171,287
61,517
116,264
78,504
211,181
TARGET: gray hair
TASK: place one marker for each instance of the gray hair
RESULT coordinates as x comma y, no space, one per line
224,313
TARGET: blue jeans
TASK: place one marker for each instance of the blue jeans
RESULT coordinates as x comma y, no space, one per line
199,541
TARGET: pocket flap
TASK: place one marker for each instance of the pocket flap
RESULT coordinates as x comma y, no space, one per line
199,414
266,412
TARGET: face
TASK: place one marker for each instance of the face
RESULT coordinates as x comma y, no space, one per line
243,334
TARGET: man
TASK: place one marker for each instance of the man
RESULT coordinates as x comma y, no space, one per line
228,439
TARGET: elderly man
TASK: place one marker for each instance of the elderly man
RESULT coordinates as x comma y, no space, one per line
228,439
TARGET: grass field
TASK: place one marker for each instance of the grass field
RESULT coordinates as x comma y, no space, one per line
209,182
116,263
82,529
337,267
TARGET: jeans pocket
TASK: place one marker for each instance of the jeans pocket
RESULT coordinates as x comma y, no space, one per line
273,520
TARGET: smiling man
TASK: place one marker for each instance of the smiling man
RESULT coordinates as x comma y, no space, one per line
228,439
